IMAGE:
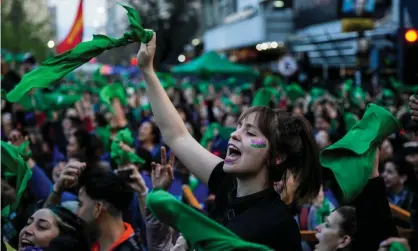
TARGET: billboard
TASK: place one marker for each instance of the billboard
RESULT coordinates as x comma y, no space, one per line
374,9
313,12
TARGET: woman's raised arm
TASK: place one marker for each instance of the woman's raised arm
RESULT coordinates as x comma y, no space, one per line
197,159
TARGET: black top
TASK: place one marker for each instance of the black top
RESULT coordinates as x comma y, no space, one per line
260,218
374,218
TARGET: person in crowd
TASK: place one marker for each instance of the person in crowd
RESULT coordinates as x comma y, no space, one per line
396,174
349,227
103,196
263,146
149,137
47,224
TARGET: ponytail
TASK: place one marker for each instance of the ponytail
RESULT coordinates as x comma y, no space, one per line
300,157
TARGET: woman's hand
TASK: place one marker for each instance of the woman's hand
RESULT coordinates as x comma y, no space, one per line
69,176
136,182
162,174
384,246
146,54
413,104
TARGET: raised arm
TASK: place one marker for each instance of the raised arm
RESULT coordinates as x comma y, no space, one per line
197,159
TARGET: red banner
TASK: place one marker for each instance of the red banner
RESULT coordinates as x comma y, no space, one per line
75,36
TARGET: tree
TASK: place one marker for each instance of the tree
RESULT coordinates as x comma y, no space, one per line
22,28
176,23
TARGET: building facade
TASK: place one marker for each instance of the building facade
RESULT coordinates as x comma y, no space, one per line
231,24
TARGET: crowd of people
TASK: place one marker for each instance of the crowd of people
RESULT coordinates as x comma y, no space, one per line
93,166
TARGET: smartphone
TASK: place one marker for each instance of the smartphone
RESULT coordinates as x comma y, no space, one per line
125,174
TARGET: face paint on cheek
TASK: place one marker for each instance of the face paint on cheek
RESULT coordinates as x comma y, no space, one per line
258,143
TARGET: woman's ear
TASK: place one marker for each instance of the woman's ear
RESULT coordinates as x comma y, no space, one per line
344,242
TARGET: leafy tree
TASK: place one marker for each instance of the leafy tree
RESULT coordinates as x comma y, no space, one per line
176,23
20,31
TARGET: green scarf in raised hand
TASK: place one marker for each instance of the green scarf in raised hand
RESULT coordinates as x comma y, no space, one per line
351,159
13,164
120,156
54,69
210,236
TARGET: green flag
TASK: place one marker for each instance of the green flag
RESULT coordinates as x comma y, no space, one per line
55,68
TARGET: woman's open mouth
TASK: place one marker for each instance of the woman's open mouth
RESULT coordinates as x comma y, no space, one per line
233,154
26,243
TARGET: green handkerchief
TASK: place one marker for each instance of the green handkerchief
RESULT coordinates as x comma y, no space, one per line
120,156
200,231
396,246
13,164
351,158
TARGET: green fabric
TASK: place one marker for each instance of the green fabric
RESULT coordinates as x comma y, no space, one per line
358,96
323,211
243,87
120,156
396,246
13,164
264,96
99,79
350,120
294,91
55,68
103,133
211,236
317,92
211,63
213,130
351,158
57,101
115,90
269,81
193,182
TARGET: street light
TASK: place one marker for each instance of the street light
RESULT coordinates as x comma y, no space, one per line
411,36
195,42
278,4
181,58
50,44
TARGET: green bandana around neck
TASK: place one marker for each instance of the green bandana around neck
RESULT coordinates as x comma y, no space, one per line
120,156
211,235
54,69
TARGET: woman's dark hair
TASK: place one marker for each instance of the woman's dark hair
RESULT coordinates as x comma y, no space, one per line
403,167
89,145
103,184
71,227
291,139
155,131
349,224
